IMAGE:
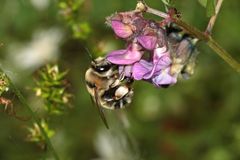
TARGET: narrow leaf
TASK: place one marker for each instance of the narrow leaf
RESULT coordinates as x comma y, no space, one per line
210,8
203,2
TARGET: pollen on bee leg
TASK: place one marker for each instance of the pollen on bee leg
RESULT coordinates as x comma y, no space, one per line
121,91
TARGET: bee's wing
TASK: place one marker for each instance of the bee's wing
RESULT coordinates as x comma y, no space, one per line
100,109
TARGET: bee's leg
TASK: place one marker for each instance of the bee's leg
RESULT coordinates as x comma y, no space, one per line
115,83
121,76
129,80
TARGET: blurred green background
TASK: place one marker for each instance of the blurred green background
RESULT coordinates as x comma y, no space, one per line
197,118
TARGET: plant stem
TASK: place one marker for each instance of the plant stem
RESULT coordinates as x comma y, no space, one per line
214,17
142,6
223,54
25,104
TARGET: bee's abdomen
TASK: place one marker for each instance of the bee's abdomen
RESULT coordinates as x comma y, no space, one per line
117,97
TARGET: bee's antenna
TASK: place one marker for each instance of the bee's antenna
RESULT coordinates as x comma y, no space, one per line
90,55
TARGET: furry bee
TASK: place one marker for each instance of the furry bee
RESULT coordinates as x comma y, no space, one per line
108,89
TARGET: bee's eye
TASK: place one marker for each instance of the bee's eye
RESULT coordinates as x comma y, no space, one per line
103,68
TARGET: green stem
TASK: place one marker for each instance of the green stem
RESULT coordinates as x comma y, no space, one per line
223,54
211,43
142,7
25,104
192,30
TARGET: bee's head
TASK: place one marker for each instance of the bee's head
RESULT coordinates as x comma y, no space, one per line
101,65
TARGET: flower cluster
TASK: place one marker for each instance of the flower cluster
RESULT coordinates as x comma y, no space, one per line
35,134
4,83
155,52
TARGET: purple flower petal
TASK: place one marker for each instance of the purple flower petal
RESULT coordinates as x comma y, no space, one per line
125,57
148,42
126,70
164,61
164,78
158,53
121,30
161,60
140,69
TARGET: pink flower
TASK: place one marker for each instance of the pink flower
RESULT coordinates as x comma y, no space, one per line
126,70
148,42
126,56
167,52
163,77
140,69
159,75
161,59
121,30
160,52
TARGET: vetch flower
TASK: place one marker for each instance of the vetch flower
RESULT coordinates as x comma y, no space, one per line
148,42
125,24
146,70
161,59
120,29
159,75
140,69
127,56
168,52
126,70
161,54
163,77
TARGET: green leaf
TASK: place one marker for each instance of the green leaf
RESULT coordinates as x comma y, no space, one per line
209,5
203,2
81,30
62,75
77,4
168,2
210,8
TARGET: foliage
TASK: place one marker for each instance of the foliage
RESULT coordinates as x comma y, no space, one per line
52,88
168,3
35,134
70,13
209,5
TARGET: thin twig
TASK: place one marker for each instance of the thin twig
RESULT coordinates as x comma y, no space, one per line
25,104
214,17
196,33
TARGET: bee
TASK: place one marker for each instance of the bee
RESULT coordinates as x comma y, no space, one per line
108,88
